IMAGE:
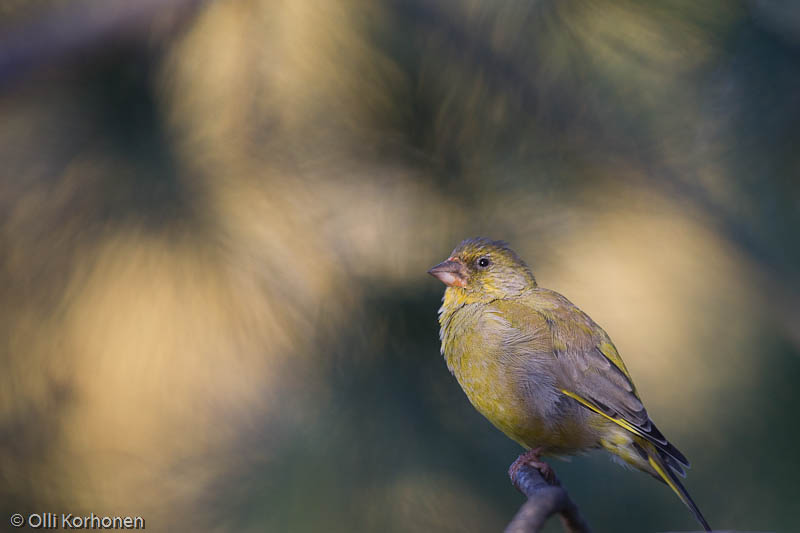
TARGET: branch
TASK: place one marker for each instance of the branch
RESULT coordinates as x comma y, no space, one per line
544,500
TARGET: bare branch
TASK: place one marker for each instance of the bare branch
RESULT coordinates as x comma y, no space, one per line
544,500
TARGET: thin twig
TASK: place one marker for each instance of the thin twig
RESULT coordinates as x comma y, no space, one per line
544,500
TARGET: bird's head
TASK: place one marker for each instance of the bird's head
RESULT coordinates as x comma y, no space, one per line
484,270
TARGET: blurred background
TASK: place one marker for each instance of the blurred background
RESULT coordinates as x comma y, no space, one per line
216,219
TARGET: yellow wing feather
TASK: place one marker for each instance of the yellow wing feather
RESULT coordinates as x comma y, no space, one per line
619,421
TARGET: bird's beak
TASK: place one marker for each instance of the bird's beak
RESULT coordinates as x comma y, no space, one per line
452,272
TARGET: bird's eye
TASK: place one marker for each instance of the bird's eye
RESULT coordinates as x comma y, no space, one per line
483,262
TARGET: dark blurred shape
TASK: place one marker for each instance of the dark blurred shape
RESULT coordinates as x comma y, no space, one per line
38,36
781,17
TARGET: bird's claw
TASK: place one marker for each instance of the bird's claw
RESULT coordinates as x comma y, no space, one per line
546,471
532,458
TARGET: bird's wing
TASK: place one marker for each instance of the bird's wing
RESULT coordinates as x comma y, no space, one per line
593,374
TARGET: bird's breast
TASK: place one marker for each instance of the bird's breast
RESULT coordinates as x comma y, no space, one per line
518,397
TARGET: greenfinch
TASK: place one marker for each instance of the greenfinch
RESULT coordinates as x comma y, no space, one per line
541,370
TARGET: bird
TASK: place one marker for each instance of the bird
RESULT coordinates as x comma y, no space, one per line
541,370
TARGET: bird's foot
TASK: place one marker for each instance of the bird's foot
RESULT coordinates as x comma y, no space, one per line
546,471
532,458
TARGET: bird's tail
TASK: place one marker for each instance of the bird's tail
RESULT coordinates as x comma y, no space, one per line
662,465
